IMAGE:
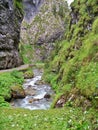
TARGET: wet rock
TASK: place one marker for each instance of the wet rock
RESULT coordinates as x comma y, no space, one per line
60,102
30,91
39,82
10,20
29,86
17,92
47,95
33,100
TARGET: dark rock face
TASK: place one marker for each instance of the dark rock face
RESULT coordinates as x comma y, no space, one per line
31,8
10,19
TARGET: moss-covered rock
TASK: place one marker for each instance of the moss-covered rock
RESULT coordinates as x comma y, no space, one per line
17,92
28,74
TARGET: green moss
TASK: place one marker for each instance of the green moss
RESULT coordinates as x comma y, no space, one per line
95,26
28,74
18,4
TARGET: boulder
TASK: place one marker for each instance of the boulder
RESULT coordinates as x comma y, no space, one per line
17,92
28,74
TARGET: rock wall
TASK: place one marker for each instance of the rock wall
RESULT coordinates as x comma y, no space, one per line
10,19
43,24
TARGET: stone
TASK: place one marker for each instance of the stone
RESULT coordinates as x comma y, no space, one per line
39,82
47,95
30,91
43,24
10,21
17,92
33,100
28,74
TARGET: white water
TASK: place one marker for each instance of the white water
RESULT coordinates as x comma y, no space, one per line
37,100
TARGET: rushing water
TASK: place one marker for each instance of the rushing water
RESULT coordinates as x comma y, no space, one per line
37,99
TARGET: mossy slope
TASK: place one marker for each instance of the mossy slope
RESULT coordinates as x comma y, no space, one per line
73,67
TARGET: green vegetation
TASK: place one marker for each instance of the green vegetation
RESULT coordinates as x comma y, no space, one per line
95,26
26,52
58,119
3,103
72,71
7,81
73,67
28,74
18,4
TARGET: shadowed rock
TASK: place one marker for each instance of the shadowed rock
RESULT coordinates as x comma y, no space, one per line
10,19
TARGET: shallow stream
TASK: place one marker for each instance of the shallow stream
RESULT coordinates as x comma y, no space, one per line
40,94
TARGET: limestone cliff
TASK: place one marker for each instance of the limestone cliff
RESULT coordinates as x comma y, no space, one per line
44,23
10,19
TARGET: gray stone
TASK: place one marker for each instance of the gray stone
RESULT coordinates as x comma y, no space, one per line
44,26
10,20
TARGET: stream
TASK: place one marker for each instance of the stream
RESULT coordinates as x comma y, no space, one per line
39,94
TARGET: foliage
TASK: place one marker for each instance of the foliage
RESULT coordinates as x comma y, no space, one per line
18,4
95,26
73,68
3,103
83,12
7,80
26,52
72,71
57,119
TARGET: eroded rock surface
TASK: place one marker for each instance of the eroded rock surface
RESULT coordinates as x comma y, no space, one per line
43,24
10,19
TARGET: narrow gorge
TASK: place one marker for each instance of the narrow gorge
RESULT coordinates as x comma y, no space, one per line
48,65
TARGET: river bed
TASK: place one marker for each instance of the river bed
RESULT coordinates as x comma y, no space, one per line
40,94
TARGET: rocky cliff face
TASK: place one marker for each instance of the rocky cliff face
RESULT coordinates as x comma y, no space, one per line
43,24
10,19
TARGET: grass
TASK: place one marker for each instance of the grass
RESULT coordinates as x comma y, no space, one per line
55,119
